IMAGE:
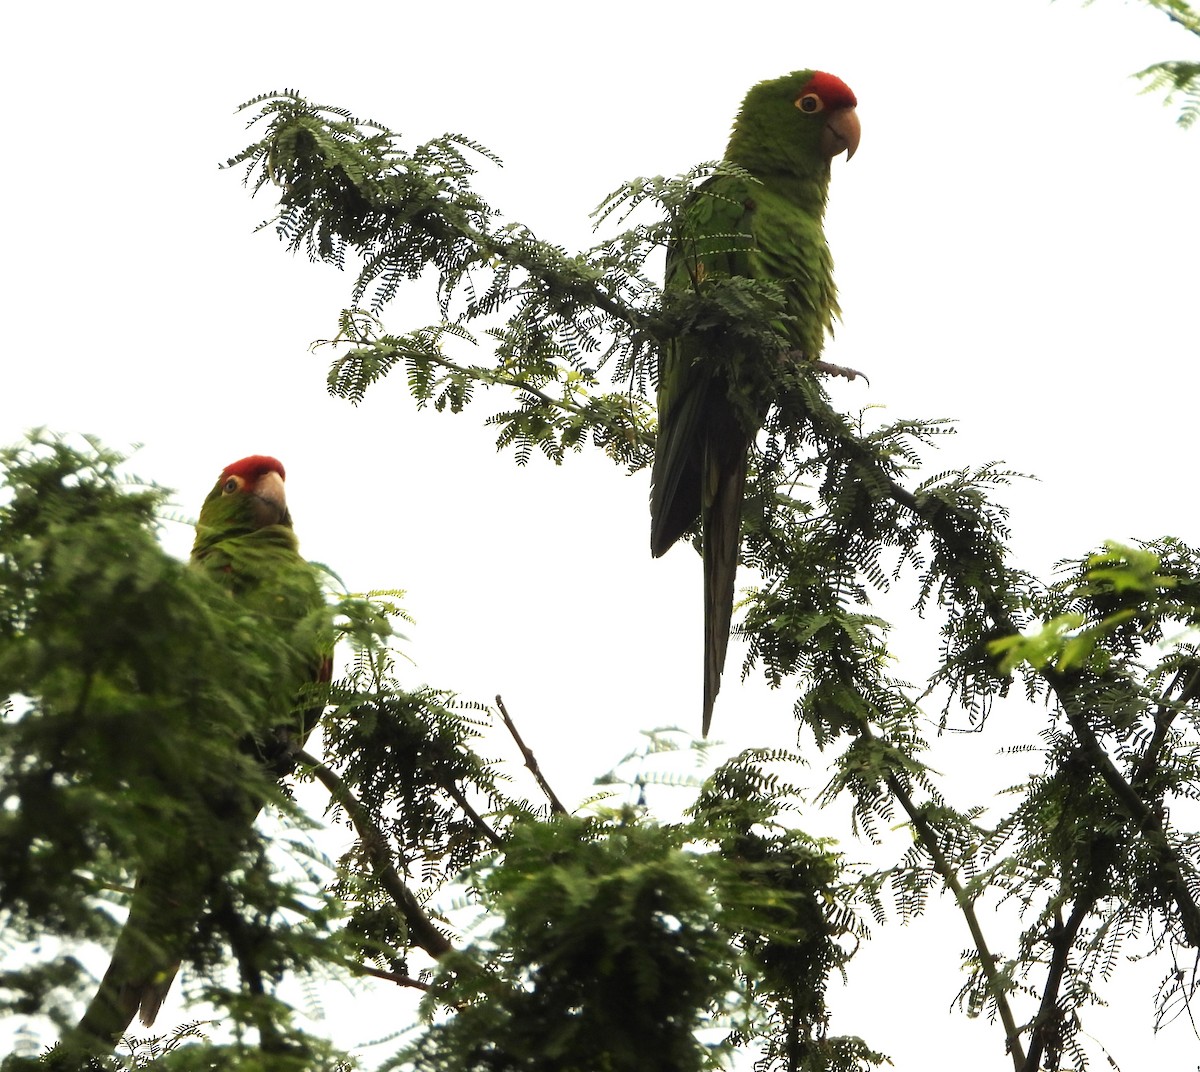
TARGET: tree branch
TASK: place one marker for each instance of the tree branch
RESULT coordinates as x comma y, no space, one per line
531,762
457,796
1063,686
421,929
1062,939
966,905
1144,817
1187,680
394,977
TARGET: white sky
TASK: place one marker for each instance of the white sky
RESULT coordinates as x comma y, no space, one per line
1015,245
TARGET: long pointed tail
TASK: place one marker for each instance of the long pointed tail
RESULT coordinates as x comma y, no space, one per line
141,969
722,537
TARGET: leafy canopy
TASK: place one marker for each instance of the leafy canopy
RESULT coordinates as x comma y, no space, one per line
605,939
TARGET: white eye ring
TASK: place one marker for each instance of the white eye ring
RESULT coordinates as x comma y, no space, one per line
810,103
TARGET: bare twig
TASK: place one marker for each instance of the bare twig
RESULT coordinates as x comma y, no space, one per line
1062,939
421,929
457,796
1187,681
394,977
987,962
531,761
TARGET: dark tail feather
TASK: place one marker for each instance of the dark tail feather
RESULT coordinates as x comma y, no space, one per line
141,970
154,994
722,537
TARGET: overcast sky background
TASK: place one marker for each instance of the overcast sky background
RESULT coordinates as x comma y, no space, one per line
1015,246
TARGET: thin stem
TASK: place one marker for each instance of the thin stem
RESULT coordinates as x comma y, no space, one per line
966,905
1187,681
456,795
394,977
531,762
1064,688
1145,818
421,929
1062,939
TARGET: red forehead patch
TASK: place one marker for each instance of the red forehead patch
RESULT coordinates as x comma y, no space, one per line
253,467
831,89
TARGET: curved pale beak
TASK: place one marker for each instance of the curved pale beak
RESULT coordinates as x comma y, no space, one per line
270,503
841,133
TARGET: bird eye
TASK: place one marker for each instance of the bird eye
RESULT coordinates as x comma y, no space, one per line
231,485
810,103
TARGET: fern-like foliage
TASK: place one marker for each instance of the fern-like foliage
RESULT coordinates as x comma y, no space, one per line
836,512
554,319
620,939
603,940
127,683
1177,77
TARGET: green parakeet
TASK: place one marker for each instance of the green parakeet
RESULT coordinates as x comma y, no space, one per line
246,545
767,227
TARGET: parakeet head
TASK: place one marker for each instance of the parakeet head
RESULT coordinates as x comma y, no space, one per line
247,496
795,125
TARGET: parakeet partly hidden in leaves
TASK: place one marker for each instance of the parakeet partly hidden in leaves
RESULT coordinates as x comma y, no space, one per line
768,226
245,543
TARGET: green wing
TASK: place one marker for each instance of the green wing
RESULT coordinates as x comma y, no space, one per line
713,240
712,399
701,454
731,227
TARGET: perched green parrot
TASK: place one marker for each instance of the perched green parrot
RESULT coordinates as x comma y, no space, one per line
244,542
769,227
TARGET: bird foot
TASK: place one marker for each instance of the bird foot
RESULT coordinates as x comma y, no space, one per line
831,369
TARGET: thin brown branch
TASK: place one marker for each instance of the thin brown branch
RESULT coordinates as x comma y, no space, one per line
584,291
1145,818
1062,939
1140,813
457,796
394,977
504,379
442,991
421,929
497,378
531,761
1187,681
245,952
966,905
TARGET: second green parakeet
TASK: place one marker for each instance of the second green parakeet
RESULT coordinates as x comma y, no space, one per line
257,581
766,226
